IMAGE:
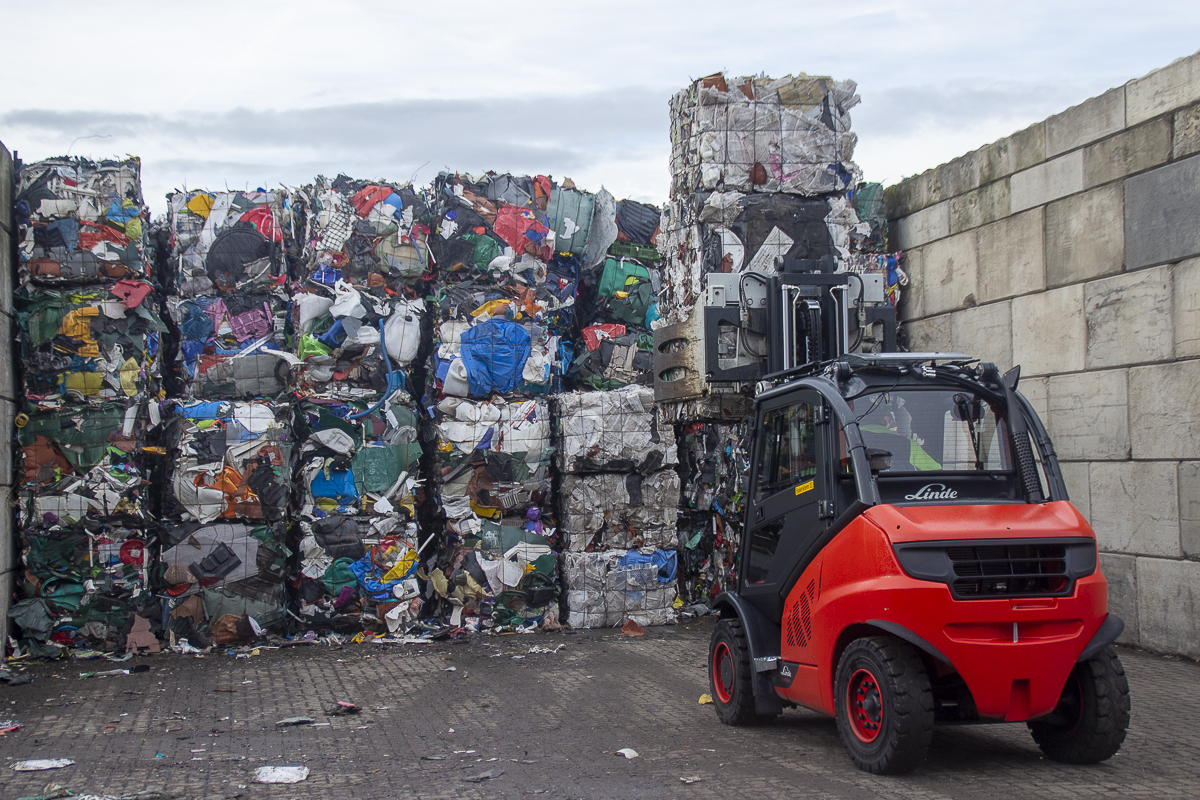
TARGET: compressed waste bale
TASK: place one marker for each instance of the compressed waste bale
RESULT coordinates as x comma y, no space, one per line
358,573
86,581
613,511
606,589
613,431
365,233
761,134
224,581
83,461
230,303
230,460
93,343
80,222
618,311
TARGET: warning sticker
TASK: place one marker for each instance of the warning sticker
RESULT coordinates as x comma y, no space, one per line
804,487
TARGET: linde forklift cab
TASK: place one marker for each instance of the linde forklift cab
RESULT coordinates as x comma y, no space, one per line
909,554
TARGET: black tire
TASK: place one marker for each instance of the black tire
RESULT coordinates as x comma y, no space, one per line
892,722
1089,724
730,675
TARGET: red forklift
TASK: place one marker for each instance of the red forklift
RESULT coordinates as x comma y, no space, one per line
909,558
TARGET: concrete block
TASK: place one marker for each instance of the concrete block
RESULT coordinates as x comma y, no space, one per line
7,186
1019,151
1049,333
1075,475
950,268
1164,406
1085,235
1089,415
1135,150
1090,120
1129,318
1169,606
1189,508
8,412
1135,507
1121,574
6,270
1187,132
909,195
979,206
1173,86
1160,214
1037,392
930,335
960,175
984,332
1046,182
912,297
1187,308
923,226
8,558
1012,255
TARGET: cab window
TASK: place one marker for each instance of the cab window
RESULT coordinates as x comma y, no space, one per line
788,457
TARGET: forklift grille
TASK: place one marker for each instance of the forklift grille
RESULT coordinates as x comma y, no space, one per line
1010,570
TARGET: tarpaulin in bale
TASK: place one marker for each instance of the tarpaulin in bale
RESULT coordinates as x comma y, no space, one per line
229,460
91,343
80,221
613,431
82,461
570,214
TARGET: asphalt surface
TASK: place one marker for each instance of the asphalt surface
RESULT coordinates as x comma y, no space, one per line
487,718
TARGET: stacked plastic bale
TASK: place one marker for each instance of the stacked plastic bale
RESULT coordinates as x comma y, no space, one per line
618,506
714,459
358,320
617,297
229,442
869,243
761,170
508,251
89,337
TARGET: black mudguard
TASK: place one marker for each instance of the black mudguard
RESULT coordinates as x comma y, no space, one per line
1106,634
764,638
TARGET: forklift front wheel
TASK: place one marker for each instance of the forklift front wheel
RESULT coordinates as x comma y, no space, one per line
884,705
1092,715
730,679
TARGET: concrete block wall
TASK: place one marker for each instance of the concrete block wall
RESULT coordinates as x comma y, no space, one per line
1072,248
8,396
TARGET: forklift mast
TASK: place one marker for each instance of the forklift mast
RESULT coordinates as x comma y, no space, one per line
752,325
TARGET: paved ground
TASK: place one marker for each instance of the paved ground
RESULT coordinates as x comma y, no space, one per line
547,724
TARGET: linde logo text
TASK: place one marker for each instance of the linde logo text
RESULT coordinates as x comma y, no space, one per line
932,491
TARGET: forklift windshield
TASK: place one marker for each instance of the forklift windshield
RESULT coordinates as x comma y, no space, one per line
938,429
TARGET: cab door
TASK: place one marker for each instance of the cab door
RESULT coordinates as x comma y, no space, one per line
787,508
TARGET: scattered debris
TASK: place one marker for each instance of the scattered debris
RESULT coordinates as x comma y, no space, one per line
631,628
706,699
690,779
484,776
290,721
343,708
540,649
280,774
39,764
628,752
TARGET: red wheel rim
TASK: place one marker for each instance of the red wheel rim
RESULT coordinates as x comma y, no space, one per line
864,706
722,672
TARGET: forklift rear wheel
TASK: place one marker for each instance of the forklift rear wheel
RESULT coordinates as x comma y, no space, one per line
1089,723
730,678
884,705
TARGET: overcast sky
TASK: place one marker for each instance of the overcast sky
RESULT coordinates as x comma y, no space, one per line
243,94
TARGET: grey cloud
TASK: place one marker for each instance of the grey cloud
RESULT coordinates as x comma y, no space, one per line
532,133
